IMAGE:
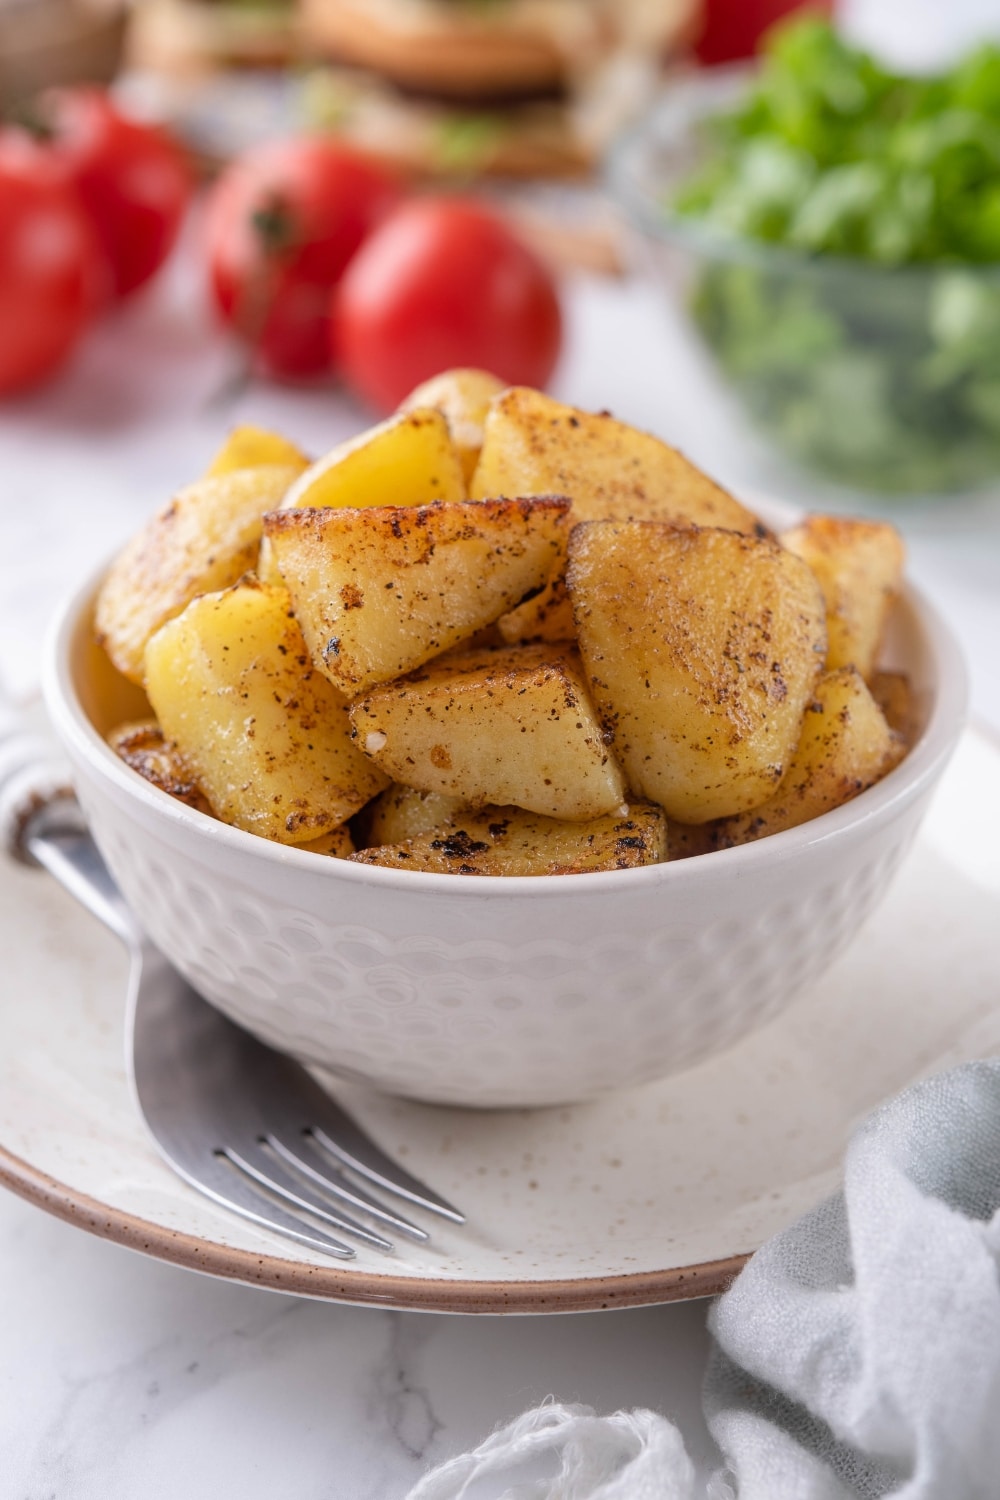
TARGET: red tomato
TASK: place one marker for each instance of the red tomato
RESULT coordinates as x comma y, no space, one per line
732,29
49,264
283,222
443,283
133,181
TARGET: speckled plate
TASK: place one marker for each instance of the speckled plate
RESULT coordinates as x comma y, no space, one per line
648,1196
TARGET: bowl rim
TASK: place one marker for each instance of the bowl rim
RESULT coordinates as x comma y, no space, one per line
707,92
919,767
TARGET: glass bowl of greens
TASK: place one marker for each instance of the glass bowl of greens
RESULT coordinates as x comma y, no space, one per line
835,231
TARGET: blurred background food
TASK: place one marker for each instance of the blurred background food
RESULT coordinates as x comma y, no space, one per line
728,32
91,203
524,93
266,270
192,38
829,223
521,88
282,223
835,227
48,42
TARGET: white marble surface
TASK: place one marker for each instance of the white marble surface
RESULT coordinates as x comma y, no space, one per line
124,1379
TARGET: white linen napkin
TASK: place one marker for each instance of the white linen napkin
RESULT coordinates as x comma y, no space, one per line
857,1355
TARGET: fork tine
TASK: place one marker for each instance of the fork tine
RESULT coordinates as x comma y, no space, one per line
228,1187
358,1151
270,1175
180,1043
341,1187
318,1116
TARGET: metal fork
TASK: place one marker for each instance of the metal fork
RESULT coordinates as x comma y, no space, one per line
242,1123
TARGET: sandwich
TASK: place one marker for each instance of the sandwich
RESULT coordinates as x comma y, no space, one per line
519,88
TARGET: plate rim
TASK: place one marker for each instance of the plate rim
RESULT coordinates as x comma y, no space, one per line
332,1283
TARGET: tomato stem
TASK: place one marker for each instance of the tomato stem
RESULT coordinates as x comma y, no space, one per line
274,225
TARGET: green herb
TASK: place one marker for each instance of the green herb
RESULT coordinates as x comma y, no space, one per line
466,143
874,351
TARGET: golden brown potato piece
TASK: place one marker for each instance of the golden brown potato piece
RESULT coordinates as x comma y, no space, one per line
401,813
513,726
463,398
688,839
142,746
702,648
266,736
859,565
845,746
338,843
509,841
249,447
547,617
379,592
894,694
533,445
205,539
408,460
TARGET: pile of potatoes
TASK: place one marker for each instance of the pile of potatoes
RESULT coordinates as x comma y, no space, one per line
496,635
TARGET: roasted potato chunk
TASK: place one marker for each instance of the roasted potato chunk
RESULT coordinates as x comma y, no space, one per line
205,539
845,746
499,635
894,694
266,736
702,648
546,617
142,746
408,460
513,726
688,839
250,447
378,593
510,841
533,445
401,813
338,843
463,398
859,565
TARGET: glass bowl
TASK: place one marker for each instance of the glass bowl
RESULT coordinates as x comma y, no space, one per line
886,380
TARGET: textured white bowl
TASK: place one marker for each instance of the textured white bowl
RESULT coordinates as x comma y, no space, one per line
490,991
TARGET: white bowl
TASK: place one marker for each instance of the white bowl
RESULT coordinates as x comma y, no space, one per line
496,991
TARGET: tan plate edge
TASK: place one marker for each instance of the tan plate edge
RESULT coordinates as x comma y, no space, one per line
584,1294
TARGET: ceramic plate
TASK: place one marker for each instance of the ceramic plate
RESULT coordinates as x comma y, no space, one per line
648,1196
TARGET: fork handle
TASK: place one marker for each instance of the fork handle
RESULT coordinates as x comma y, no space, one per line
42,823
71,855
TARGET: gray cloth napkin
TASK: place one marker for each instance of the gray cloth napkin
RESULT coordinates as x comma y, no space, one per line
858,1353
